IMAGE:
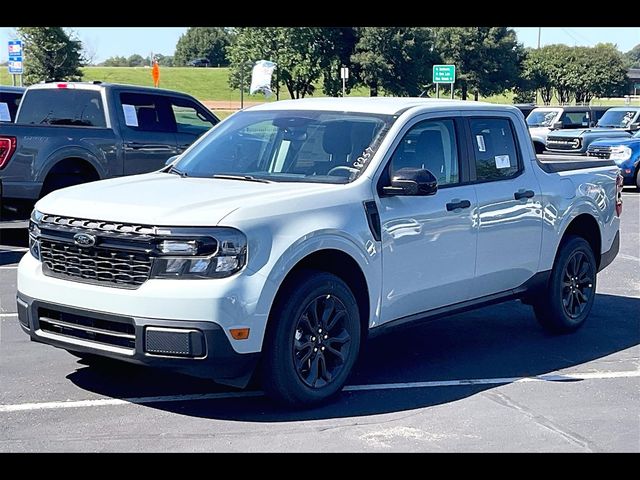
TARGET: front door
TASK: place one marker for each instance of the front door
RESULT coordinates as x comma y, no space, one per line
428,242
148,132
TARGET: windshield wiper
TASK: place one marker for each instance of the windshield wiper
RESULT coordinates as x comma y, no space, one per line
247,178
173,169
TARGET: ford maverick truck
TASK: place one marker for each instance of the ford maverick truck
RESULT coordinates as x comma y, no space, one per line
295,230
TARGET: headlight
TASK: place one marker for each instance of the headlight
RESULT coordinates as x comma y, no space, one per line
620,153
221,254
34,234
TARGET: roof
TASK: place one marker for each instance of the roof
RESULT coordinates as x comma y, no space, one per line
96,85
573,108
11,89
379,105
634,73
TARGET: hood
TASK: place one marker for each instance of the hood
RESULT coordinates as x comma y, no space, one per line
163,199
579,132
539,131
633,142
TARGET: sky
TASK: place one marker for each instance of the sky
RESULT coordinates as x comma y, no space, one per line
105,42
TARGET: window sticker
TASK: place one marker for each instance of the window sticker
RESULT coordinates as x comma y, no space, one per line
4,112
481,145
130,116
502,161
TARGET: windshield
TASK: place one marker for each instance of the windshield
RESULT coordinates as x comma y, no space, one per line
618,118
542,118
288,146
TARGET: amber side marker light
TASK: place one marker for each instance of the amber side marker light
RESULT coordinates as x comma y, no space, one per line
239,333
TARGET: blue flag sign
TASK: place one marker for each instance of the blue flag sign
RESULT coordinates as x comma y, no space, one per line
15,57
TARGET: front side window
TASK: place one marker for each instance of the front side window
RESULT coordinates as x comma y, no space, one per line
429,145
63,106
190,118
494,147
289,146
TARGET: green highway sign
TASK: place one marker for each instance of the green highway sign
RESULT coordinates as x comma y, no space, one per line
444,73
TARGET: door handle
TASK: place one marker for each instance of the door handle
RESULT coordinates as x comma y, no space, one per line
459,204
147,146
520,194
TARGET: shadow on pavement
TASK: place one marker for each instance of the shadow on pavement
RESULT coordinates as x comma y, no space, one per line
495,342
8,257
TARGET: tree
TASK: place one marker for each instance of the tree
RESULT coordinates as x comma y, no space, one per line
136,60
164,60
397,59
296,51
632,57
116,61
50,54
534,77
488,60
336,47
203,42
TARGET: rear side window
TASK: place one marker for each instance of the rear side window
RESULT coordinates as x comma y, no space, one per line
494,147
147,113
189,117
10,102
63,106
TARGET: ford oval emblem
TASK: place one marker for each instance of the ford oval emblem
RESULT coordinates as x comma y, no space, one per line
84,240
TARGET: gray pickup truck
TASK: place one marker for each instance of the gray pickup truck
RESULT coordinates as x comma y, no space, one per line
68,133
617,123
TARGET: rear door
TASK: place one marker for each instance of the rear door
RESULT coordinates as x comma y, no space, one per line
148,131
509,216
192,120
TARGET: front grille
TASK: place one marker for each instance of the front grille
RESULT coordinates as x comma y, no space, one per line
599,152
95,264
107,332
113,227
563,144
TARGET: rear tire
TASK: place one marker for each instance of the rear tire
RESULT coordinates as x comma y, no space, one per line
312,341
638,178
566,304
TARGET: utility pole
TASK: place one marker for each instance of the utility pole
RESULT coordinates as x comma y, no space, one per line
539,35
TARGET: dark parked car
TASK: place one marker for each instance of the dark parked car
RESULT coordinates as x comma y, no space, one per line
9,101
525,108
74,132
200,62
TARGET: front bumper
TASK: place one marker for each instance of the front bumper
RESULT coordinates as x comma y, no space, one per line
194,347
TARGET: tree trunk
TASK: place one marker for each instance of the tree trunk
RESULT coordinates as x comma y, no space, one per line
292,92
475,95
464,91
373,90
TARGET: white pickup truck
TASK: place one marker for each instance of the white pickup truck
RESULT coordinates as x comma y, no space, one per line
294,230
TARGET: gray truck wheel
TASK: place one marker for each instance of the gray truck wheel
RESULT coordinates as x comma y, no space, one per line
313,340
566,304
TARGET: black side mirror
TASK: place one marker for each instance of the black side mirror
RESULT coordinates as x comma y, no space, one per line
170,160
634,126
412,182
556,126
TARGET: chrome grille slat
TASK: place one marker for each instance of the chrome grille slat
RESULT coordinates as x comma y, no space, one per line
84,328
98,225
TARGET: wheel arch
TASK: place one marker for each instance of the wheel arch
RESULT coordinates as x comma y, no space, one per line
586,226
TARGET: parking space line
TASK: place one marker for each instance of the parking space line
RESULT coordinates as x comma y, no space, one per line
8,267
9,248
5,315
569,377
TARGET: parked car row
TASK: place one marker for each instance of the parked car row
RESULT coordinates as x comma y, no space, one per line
68,133
600,132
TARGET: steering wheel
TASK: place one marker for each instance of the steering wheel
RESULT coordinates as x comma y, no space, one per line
343,168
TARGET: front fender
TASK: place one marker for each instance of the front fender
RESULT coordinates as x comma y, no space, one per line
327,239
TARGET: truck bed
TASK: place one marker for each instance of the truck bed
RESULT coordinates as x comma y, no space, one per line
564,163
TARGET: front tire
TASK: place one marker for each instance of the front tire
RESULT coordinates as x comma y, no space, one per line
313,339
571,290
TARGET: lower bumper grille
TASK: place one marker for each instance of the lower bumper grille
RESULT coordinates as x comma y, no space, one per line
106,332
95,265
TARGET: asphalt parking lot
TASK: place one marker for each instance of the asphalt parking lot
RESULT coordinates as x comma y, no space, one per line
489,380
